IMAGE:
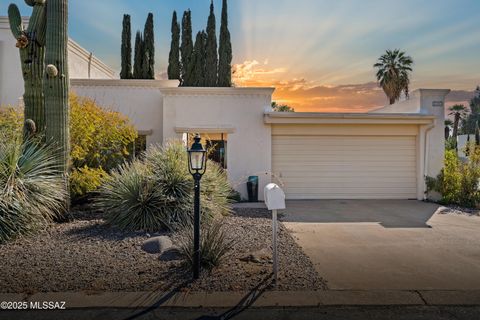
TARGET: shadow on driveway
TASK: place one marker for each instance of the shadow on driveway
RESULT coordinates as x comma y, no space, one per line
388,213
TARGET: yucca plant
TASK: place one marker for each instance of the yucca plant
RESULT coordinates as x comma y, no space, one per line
157,193
32,192
214,243
129,199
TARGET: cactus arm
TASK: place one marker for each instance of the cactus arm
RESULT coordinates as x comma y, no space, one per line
15,19
30,3
32,59
37,24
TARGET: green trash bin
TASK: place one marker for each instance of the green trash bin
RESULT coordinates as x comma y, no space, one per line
252,189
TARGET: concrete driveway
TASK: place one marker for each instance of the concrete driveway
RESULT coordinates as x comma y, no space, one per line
387,244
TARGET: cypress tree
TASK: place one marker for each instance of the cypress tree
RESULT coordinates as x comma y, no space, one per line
225,51
186,48
477,134
198,70
211,51
138,63
174,56
126,72
149,49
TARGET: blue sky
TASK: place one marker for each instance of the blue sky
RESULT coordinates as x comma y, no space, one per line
300,45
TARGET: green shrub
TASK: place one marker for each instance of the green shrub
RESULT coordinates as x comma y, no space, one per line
32,188
84,181
129,199
157,192
235,196
170,165
458,183
214,244
11,120
100,140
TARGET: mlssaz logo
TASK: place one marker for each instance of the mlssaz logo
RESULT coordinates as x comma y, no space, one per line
47,305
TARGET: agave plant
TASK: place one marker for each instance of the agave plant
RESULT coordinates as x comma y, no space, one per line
157,193
32,192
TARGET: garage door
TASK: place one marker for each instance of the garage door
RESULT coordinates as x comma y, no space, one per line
346,167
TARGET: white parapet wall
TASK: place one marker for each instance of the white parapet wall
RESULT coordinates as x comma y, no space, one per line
431,137
81,63
140,100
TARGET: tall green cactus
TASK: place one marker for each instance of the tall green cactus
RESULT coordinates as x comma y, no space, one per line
56,83
31,44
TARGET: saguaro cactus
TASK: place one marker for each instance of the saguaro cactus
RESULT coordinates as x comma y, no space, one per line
31,44
56,83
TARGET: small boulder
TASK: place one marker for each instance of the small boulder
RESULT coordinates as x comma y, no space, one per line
157,244
259,256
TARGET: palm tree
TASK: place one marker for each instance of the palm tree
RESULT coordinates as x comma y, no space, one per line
393,73
458,111
448,125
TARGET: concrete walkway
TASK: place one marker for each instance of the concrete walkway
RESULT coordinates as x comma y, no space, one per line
387,245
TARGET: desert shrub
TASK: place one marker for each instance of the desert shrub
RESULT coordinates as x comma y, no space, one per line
100,141
170,165
32,190
130,200
214,244
235,196
157,192
11,120
86,180
450,143
100,138
458,183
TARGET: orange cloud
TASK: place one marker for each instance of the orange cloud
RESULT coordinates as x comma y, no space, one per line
307,96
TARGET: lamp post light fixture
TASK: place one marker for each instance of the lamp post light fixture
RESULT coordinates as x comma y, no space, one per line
197,164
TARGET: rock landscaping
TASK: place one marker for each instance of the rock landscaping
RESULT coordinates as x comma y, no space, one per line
459,210
88,255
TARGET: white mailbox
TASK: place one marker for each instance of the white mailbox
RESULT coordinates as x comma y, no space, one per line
275,200
274,197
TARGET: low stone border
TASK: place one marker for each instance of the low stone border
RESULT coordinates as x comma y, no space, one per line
255,299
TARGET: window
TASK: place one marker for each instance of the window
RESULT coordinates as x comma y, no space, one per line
139,146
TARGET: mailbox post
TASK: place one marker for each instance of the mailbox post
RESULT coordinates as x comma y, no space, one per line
275,200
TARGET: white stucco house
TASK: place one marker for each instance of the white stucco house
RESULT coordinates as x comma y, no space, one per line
82,64
384,154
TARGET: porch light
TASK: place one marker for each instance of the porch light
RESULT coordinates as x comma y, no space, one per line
197,164
197,157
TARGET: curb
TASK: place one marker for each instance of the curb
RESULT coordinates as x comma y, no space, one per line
254,299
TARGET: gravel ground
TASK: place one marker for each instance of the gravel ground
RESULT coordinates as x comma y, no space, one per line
459,210
89,255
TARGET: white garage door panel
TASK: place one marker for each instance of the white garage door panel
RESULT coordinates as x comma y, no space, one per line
346,167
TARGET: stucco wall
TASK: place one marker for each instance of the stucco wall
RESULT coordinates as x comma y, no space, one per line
238,111
140,100
11,80
428,102
165,111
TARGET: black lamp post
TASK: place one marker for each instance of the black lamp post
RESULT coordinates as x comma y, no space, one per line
197,164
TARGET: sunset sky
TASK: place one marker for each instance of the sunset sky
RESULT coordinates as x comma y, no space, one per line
317,53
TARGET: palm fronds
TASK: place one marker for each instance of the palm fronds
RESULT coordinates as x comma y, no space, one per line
393,74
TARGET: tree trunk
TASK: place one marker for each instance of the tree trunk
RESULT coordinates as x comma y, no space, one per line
455,125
